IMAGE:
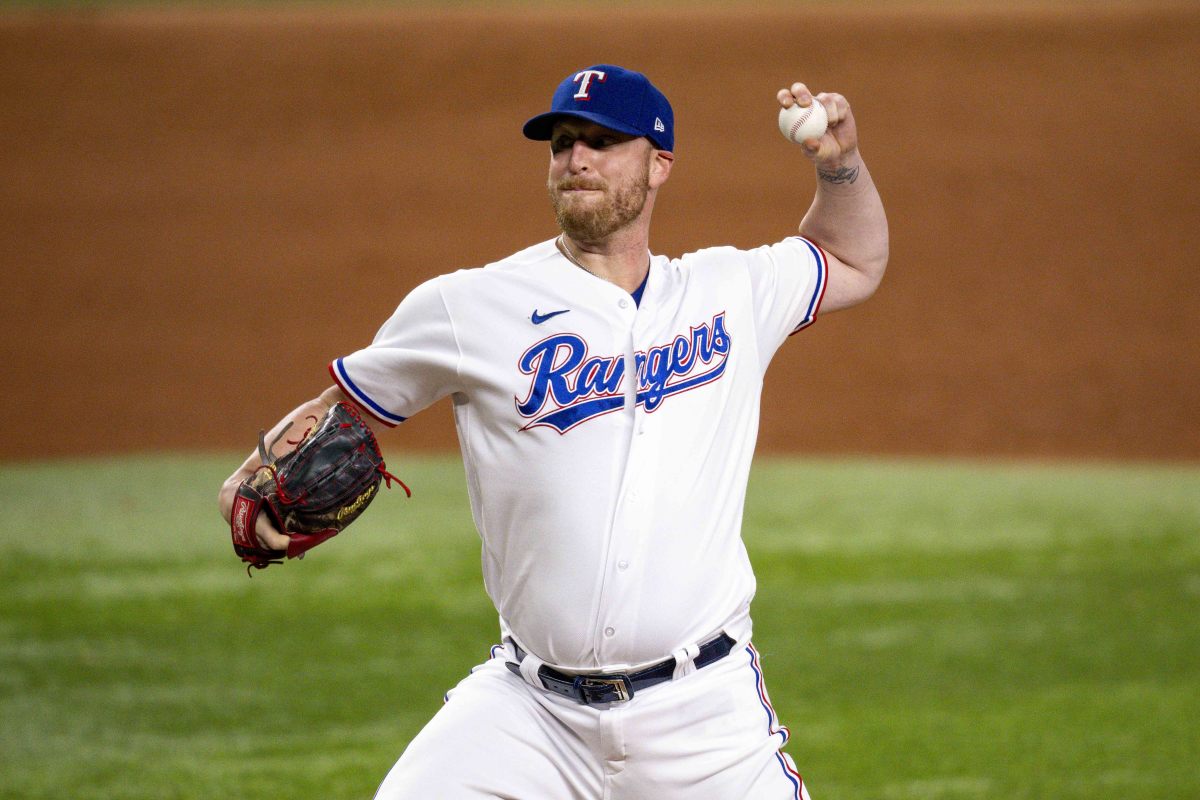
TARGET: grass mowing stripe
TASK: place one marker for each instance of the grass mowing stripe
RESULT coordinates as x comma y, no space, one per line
928,631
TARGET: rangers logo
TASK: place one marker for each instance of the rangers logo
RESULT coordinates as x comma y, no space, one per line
570,387
584,79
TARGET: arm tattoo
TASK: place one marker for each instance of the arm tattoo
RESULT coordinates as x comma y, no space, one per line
840,175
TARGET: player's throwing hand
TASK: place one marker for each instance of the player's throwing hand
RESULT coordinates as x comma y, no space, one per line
840,141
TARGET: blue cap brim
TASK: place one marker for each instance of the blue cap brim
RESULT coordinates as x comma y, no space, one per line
541,127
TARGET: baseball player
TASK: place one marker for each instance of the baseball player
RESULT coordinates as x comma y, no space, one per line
607,403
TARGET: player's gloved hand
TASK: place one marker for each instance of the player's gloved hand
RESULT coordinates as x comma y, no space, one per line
309,494
839,144
266,535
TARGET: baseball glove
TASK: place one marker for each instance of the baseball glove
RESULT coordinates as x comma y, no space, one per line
312,493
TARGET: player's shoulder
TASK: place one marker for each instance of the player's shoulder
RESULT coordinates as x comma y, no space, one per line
533,255
709,255
727,252
721,257
709,260
515,266
712,269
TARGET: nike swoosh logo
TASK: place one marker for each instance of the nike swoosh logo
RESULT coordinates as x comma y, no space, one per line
538,319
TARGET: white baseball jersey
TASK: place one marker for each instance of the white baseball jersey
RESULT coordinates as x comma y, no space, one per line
607,443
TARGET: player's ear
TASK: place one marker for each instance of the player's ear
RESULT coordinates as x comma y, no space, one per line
660,167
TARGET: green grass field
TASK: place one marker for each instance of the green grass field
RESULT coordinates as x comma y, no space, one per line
928,631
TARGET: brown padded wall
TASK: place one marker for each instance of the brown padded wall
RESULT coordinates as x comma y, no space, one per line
198,210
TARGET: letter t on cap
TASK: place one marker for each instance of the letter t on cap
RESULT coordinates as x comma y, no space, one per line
584,79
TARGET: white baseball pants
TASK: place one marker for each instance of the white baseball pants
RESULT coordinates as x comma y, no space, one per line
708,735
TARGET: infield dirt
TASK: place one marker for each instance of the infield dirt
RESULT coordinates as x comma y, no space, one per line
201,209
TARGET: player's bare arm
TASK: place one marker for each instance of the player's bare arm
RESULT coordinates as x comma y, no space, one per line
846,218
299,419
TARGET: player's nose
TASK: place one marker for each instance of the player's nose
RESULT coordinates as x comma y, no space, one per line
581,156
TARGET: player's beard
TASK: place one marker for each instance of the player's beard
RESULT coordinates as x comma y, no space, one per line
593,222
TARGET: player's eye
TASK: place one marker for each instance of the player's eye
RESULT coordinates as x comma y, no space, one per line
560,143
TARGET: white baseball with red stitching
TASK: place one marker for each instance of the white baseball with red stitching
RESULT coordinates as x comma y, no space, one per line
799,123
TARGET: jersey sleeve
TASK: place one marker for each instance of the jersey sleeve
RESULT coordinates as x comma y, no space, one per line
411,363
787,281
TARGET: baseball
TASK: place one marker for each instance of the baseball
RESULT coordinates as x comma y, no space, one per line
799,123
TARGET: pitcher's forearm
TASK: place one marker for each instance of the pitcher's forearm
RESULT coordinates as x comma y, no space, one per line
847,217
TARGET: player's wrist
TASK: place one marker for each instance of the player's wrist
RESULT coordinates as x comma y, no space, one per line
846,174
229,490
225,497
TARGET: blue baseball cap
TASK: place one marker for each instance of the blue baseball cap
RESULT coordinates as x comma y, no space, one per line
614,97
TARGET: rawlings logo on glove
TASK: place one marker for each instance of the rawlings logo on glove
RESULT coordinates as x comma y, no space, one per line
312,493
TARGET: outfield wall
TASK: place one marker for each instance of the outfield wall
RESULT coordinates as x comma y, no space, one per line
200,209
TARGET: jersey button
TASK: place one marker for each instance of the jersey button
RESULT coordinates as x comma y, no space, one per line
623,303
610,632
622,565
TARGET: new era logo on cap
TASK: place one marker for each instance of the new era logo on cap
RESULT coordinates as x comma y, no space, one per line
614,97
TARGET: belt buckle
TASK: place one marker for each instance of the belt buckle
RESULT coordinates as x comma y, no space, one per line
616,688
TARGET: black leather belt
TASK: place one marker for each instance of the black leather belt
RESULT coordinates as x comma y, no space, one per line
617,687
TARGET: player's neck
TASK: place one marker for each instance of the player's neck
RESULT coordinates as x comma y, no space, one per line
619,259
